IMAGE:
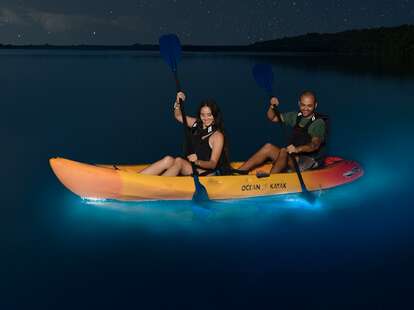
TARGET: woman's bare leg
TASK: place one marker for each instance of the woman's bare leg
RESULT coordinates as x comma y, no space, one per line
159,167
180,167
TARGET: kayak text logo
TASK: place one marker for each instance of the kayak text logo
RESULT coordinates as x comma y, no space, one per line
263,187
278,186
250,187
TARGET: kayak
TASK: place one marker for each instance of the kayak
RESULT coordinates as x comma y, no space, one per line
123,182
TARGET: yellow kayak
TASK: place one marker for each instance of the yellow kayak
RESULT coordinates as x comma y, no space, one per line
123,182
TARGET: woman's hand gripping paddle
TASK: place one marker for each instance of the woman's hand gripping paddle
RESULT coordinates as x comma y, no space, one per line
170,49
264,77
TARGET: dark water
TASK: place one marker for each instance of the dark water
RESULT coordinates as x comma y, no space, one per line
353,248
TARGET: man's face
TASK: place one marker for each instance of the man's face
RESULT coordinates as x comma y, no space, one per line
307,105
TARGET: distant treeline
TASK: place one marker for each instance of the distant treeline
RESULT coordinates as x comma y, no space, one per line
393,40
378,41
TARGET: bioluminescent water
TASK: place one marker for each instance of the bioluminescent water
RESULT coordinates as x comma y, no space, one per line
116,107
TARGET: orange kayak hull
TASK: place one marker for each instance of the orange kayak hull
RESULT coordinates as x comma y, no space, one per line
123,182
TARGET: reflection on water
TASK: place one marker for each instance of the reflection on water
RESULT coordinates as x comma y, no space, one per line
376,66
255,214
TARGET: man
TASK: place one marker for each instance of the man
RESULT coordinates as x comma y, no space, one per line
306,140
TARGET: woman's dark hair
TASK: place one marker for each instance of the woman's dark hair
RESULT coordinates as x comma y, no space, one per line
218,123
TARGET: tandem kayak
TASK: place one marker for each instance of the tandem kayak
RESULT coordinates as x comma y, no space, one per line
123,182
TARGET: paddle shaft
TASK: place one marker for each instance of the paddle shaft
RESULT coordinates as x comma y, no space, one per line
292,156
189,144
170,49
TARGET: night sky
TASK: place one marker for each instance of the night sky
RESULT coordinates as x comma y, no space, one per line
195,21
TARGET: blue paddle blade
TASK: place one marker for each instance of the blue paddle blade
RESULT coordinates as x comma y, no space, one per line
170,49
263,75
200,193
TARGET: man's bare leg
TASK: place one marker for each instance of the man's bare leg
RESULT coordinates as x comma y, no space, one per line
291,164
281,162
268,151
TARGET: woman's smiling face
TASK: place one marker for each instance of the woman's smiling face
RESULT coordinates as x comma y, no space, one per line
206,116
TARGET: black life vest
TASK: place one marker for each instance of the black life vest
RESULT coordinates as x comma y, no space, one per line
301,136
200,142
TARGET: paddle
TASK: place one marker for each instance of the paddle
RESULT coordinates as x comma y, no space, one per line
263,76
170,49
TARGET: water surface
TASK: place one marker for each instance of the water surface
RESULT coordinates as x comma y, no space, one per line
354,247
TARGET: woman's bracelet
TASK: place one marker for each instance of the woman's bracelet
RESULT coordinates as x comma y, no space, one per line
176,105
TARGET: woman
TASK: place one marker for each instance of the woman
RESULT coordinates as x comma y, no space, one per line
209,147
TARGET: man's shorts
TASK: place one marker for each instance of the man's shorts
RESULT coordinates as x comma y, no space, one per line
307,162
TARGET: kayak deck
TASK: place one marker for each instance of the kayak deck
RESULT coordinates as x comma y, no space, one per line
123,182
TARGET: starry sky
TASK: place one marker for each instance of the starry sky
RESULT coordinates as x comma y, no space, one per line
208,22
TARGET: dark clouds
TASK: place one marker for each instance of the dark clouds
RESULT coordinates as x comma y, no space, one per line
196,21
